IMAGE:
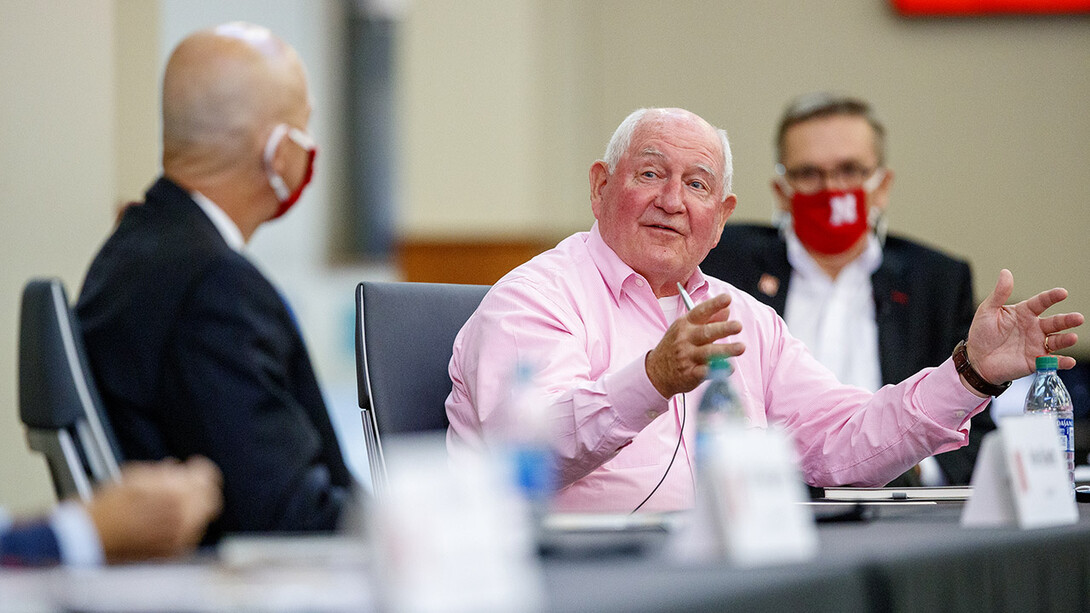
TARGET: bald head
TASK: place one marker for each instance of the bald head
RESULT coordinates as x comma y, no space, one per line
223,90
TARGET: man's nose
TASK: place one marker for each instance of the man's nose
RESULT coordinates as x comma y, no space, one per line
832,180
670,200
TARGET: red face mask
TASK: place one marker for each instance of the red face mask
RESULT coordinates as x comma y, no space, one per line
829,221
286,197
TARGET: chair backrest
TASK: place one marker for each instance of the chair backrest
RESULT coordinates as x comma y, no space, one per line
404,340
58,401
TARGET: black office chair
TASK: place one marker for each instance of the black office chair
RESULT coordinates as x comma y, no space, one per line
404,340
58,400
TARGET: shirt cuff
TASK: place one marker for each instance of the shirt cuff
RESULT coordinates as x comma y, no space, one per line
634,398
945,398
77,537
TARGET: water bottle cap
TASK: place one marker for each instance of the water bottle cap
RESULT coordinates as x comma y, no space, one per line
717,362
1047,362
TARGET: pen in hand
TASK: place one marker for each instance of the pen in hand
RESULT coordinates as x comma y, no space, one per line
685,297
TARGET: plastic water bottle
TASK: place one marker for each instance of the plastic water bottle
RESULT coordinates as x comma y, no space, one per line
719,407
530,443
719,422
1048,396
720,404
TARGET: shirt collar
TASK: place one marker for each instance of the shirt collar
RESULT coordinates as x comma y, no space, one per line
226,227
619,277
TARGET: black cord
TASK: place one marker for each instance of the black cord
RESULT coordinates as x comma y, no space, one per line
680,435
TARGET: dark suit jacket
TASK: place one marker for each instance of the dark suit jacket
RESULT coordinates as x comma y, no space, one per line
196,353
923,303
29,544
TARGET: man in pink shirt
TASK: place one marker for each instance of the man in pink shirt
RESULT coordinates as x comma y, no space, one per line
621,362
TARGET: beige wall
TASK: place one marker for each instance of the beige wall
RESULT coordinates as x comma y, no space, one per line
56,180
495,106
505,103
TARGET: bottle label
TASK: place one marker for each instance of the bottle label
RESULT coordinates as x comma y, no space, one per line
1067,433
535,471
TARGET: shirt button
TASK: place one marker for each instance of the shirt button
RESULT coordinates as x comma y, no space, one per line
639,282
652,414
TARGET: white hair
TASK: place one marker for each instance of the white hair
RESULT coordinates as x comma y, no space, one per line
622,138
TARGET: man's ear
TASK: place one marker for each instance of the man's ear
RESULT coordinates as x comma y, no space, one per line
726,210
782,199
729,204
599,177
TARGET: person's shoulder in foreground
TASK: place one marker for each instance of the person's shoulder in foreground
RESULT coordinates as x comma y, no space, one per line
193,348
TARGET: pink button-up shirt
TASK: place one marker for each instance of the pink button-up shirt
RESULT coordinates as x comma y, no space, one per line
586,320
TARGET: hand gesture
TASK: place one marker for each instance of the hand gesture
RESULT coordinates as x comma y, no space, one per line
1005,340
680,361
156,509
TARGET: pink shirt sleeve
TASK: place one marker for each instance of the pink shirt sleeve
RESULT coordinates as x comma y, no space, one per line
845,435
594,413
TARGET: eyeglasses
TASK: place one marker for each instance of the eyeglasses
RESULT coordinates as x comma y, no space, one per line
810,179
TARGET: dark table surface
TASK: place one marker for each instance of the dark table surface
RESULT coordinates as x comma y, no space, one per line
902,558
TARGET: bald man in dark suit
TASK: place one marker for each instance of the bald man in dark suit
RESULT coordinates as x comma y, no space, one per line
193,348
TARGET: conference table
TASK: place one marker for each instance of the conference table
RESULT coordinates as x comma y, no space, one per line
899,557
906,558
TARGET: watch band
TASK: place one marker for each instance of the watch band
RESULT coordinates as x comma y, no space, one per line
972,377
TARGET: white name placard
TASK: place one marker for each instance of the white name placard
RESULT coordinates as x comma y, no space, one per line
1021,477
451,540
748,502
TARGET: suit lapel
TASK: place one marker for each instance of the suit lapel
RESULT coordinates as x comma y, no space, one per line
891,302
774,278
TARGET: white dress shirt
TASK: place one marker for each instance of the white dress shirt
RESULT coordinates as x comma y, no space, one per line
227,228
77,537
835,317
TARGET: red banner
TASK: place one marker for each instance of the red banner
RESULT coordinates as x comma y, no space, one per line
915,8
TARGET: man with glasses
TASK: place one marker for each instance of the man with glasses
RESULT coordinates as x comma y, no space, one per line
871,307
193,348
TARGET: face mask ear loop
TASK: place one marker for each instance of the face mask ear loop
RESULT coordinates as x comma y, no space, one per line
781,220
876,218
874,180
275,181
304,140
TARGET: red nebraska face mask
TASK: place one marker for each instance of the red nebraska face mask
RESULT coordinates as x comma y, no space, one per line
831,221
